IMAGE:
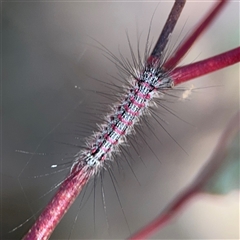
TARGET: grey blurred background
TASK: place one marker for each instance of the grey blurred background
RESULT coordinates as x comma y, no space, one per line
49,99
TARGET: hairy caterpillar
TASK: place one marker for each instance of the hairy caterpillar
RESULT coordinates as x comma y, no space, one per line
70,99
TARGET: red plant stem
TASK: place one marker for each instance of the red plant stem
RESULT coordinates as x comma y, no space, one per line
167,29
165,216
182,50
60,203
211,167
191,71
74,183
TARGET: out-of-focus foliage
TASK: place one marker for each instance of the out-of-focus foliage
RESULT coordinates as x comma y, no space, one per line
226,178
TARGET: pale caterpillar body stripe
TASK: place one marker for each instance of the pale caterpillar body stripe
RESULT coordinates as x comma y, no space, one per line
124,117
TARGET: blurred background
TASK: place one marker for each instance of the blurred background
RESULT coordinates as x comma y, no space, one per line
53,76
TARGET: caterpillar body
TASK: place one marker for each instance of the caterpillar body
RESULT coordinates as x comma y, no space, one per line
145,87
